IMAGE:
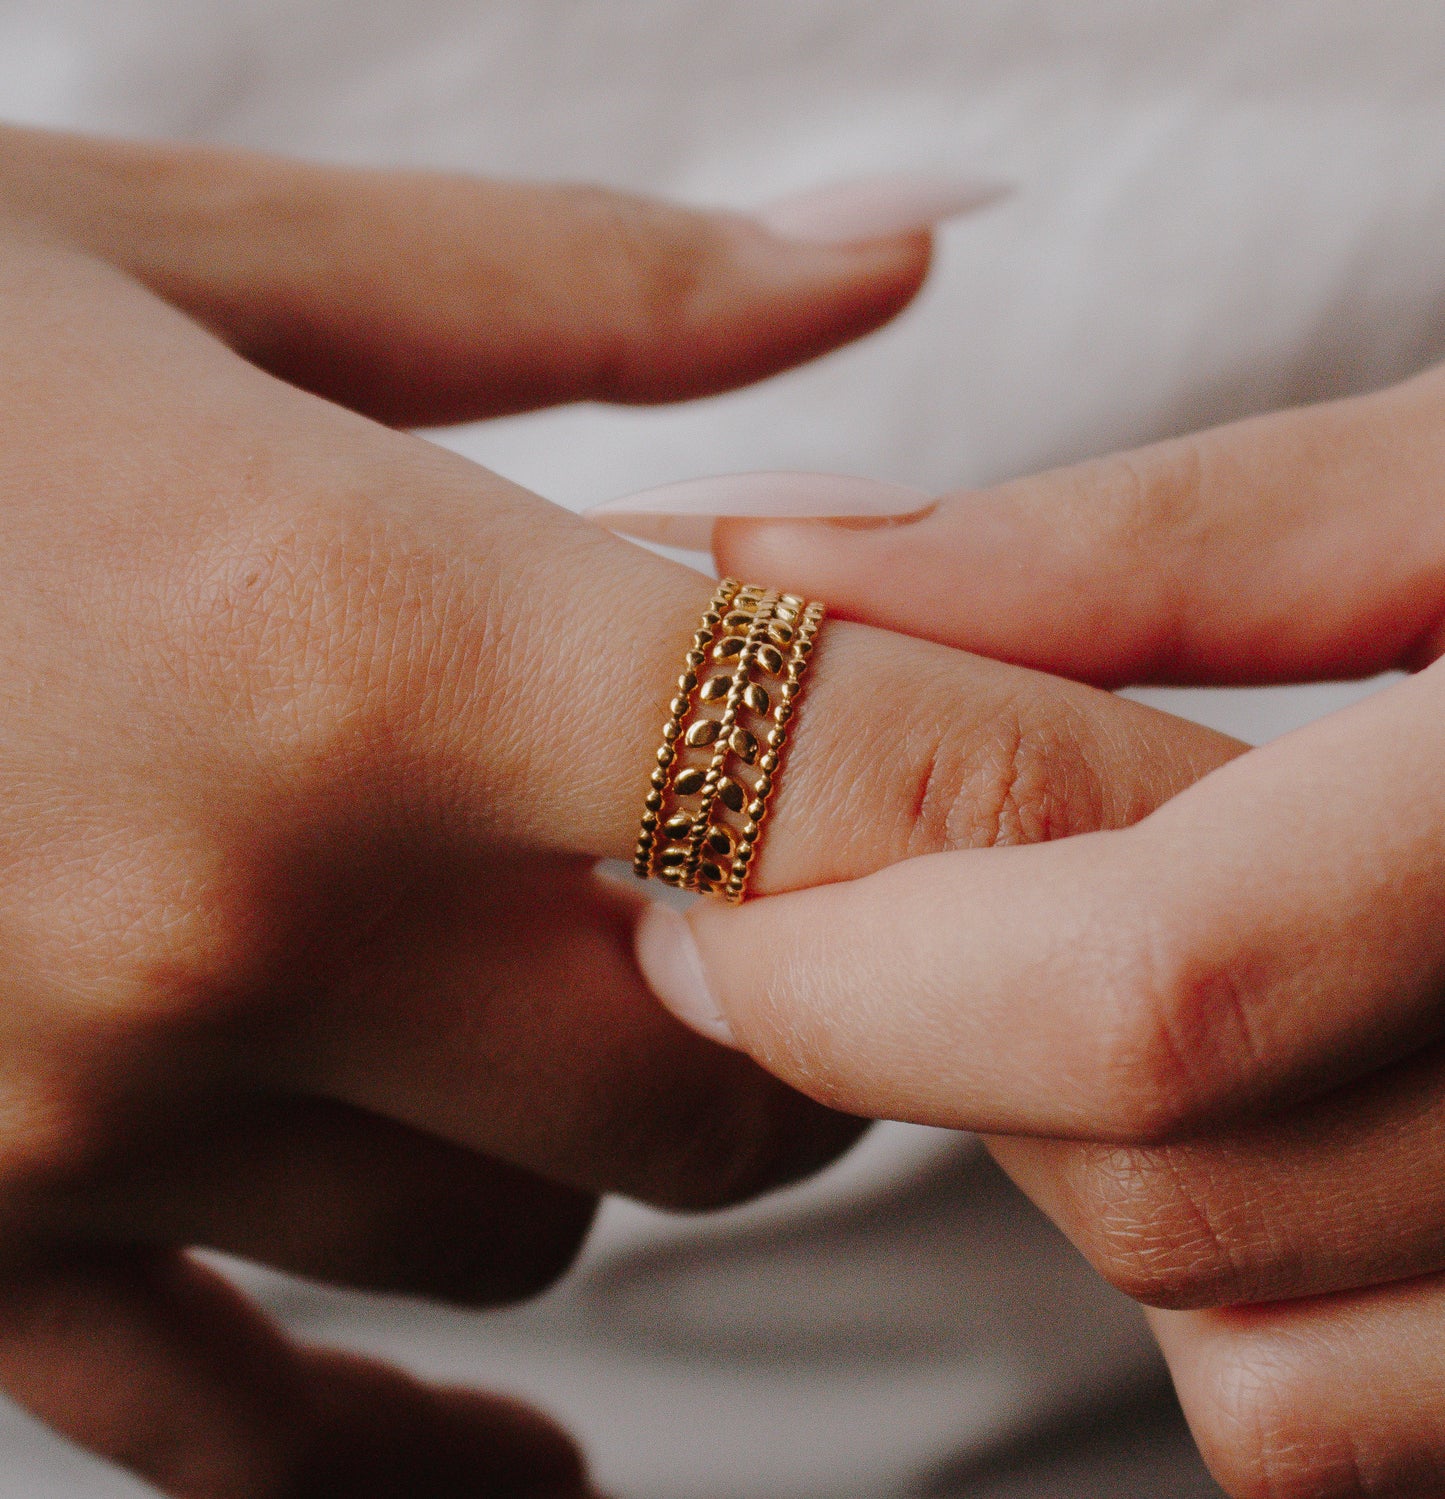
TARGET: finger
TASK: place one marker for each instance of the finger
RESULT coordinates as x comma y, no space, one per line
901,747
155,1363
321,1190
1020,758
1332,1196
424,298
403,666
1295,546
1337,1398
470,664
1170,975
381,1430
481,673
548,1051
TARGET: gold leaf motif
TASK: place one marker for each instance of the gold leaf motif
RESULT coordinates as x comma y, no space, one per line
770,658
743,745
720,841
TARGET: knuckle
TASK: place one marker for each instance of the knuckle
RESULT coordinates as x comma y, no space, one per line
146,951
1046,786
1178,1041
318,631
1142,516
1028,779
255,608
1131,503
1261,1431
134,928
1153,1233
141,941
174,937
660,265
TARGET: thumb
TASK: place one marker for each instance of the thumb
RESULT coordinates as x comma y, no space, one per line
422,298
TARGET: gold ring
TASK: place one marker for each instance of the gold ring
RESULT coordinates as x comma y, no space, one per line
723,742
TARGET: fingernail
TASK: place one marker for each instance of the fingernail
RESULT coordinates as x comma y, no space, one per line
866,208
672,966
683,515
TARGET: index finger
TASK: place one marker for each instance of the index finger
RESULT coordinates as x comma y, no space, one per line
1288,547
428,297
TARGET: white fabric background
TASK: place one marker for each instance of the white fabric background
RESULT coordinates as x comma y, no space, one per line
1221,206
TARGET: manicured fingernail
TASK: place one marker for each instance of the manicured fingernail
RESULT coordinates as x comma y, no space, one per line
672,966
683,515
867,208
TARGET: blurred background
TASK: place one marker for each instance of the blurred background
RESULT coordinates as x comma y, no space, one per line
1218,207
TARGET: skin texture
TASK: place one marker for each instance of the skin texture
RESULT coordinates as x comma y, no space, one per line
311,732
1209,1044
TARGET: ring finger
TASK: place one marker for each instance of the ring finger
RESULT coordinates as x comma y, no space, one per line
546,1051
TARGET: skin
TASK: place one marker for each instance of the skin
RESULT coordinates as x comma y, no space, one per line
312,732
1209,1045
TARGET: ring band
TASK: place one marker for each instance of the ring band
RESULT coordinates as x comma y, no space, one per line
715,771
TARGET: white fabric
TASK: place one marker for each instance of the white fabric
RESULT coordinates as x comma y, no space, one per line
1221,206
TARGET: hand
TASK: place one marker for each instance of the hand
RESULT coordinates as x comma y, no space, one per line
1237,1002
311,734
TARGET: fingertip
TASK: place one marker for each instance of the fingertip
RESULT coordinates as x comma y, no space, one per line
864,246
861,210
875,568
970,570
686,533
718,303
795,554
779,302
689,514
377,1429
671,963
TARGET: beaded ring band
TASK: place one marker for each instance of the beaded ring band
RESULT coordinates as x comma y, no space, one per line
723,741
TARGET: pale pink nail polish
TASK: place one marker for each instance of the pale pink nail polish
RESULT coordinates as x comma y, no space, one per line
672,966
867,208
683,515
